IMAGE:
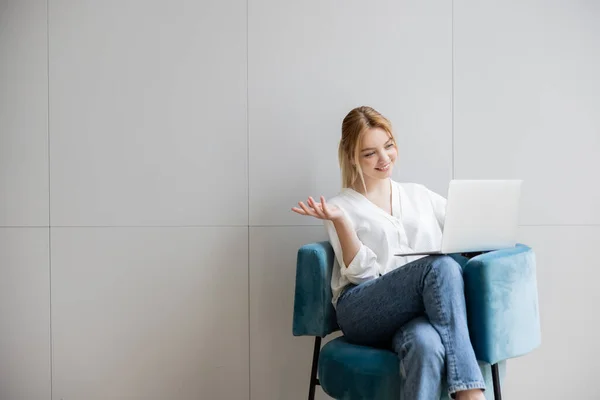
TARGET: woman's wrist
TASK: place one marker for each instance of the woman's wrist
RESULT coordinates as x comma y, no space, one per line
339,221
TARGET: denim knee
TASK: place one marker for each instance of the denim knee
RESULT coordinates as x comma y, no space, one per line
421,343
427,343
447,268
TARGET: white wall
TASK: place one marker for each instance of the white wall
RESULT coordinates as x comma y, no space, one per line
150,152
526,101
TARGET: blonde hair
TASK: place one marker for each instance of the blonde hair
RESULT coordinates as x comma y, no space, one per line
355,125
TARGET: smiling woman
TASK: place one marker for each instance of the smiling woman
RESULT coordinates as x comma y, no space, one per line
414,305
368,149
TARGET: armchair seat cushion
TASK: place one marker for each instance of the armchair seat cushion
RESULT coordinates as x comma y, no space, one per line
348,371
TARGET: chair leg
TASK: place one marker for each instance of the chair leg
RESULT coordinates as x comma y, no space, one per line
313,373
496,381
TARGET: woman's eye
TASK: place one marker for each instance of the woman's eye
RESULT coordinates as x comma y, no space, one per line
389,145
369,154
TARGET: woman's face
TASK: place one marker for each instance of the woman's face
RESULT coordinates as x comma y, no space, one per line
377,154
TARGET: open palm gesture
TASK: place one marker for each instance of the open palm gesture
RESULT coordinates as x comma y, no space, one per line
319,210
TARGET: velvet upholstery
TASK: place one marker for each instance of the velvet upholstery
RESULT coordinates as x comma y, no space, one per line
314,314
502,303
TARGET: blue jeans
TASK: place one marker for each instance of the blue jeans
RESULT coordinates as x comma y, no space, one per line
419,311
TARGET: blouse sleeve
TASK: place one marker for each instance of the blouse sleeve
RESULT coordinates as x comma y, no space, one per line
364,265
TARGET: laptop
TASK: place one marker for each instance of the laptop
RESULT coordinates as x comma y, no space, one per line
481,215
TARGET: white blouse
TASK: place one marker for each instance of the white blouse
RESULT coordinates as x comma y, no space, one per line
415,224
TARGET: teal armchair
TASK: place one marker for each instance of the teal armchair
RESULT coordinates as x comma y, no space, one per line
502,310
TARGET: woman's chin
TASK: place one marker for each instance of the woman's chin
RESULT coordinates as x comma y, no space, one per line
382,174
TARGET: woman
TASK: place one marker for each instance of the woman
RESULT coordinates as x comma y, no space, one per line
416,304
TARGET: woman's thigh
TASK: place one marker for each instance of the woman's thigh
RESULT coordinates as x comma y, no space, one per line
371,313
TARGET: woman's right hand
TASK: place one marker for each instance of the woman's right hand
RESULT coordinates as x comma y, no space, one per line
319,210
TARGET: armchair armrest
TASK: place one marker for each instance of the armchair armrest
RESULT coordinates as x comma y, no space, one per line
502,303
314,314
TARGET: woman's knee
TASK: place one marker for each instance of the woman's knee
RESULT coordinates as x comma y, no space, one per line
428,344
422,343
447,268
